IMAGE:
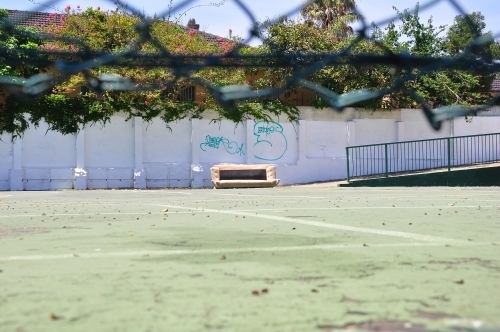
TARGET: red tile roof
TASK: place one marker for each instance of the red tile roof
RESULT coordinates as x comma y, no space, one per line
37,19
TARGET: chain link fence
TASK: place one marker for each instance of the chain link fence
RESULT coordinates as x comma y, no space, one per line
303,65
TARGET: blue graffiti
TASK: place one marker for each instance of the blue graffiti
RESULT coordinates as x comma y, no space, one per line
271,143
214,142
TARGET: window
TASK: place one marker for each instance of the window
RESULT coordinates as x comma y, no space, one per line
84,90
185,95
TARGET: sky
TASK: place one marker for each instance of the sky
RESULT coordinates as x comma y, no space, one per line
219,20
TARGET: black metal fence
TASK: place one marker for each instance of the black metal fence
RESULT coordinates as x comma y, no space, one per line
409,156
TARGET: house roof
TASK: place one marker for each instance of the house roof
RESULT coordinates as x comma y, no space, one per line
36,19
205,35
39,19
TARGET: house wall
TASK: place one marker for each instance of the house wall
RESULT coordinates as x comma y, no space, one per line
138,154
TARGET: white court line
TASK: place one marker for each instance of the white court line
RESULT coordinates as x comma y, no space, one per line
269,196
95,214
411,236
202,210
372,207
214,251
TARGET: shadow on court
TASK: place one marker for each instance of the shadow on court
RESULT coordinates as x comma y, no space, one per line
305,258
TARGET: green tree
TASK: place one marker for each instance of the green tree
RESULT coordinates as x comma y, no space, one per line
440,87
412,36
15,43
468,29
16,63
336,15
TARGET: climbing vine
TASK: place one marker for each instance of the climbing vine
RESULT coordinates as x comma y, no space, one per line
66,109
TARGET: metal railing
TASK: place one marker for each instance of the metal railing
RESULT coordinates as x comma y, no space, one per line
409,156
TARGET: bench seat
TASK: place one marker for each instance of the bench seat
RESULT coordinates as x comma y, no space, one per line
244,176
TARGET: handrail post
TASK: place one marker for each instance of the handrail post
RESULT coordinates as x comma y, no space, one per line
386,162
347,157
449,154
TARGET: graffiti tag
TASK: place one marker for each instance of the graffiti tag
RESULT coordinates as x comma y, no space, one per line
271,143
215,142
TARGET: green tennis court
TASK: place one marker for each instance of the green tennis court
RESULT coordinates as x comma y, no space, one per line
302,258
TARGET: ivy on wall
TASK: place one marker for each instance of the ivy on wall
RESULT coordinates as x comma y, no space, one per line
66,110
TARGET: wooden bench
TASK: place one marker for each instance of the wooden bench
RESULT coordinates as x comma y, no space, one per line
244,176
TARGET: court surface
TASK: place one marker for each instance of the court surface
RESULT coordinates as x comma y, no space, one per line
301,258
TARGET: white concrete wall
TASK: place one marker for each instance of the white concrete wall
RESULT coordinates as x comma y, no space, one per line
6,162
417,127
167,153
48,159
138,154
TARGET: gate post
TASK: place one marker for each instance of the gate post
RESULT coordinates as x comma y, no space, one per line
347,158
386,162
449,154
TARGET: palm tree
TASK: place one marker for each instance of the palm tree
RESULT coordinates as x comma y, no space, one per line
335,15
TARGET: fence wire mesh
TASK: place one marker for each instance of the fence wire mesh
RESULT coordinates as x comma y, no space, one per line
303,65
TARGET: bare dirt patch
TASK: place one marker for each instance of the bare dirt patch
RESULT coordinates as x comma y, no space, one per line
377,326
470,260
433,315
14,231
